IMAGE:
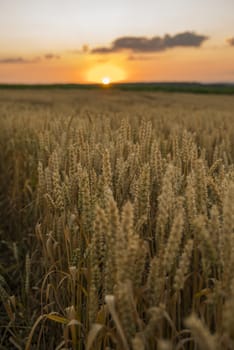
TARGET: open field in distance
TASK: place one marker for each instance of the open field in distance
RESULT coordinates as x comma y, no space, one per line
116,220
175,87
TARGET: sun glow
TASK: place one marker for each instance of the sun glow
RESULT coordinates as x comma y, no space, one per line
98,73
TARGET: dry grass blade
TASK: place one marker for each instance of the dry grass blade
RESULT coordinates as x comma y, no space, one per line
29,340
93,333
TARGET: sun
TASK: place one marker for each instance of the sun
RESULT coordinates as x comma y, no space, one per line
106,80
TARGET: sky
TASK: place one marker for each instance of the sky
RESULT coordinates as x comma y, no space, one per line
84,41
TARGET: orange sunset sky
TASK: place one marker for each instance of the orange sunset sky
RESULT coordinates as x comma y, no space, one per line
83,41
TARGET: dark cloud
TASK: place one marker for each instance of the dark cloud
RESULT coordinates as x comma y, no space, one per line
51,56
155,44
231,41
18,60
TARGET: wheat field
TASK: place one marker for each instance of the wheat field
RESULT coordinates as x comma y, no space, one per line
117,220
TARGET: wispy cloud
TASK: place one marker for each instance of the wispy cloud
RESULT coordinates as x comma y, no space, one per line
154,44
19,60
23,60
51,56
230,41
85,49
